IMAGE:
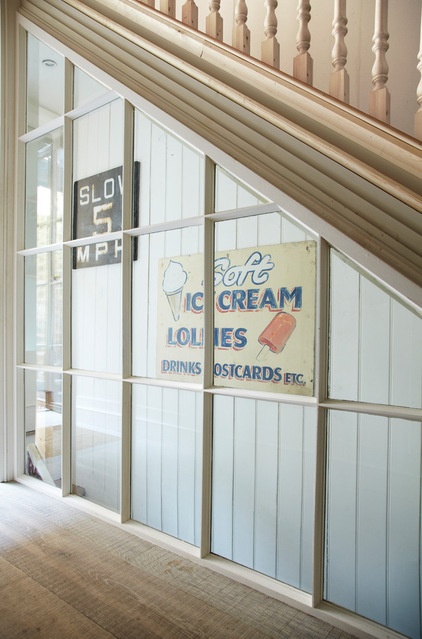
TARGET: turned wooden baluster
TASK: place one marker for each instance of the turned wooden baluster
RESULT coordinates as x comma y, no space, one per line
339,78
303,63
168,7
241,33
190,14
418,116
379,99
270,48
214,21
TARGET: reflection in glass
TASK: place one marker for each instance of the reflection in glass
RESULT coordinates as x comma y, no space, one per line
373,527
96,440
166,460
172,174
43,426
167,321
45,83
43,308
44,190
85,88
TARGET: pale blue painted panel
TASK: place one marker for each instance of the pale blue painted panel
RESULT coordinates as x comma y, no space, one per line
173,243
140,293
192,240
225,192
158,174
340,560
222,477
290,494
308,497
142,153
173,178
244,481
344,331
198,467
404,522
154,457
269,229
96,318
192,183
292,232
157,249
371,568
186,466
265,537
406,359
225,235
247,232
374,347
169,460
113,340
139,453
246,198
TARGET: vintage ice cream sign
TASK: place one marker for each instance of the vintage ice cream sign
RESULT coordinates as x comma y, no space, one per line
264,318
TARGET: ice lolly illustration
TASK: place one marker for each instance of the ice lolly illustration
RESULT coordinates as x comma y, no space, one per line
274,336
174,280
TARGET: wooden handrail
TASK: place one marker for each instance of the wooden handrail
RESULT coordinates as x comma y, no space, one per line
254,29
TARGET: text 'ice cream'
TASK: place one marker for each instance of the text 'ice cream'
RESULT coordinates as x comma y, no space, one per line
275,335
173,282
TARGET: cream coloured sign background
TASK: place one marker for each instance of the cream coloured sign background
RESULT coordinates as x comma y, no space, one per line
264,318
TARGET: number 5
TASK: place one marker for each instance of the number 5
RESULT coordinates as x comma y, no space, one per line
102,220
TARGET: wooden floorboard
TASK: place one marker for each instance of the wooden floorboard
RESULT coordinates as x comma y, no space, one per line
65,574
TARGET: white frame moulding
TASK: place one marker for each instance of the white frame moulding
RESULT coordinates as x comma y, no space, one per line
311,604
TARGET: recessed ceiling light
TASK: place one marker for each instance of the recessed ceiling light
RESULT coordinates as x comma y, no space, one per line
48,62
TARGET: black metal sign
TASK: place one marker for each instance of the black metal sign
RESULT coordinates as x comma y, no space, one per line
97,210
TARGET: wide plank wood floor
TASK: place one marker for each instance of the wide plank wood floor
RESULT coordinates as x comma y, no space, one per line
66,574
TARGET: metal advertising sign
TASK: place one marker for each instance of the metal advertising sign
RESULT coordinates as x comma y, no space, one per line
97,209
264,318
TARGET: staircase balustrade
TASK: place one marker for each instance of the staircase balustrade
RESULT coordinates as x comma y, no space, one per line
252,28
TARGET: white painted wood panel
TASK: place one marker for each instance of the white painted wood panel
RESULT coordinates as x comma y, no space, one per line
406,360
404,522
169,460
166,475
308,498
96,318
374,347
289,514
153,443
266,488
344,330
244,481
263,487
373,519
222,477
340,585
187,480
139,453
371,524
172,174
375,342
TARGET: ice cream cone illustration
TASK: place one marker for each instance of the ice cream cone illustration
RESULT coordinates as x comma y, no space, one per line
274,336
173,282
